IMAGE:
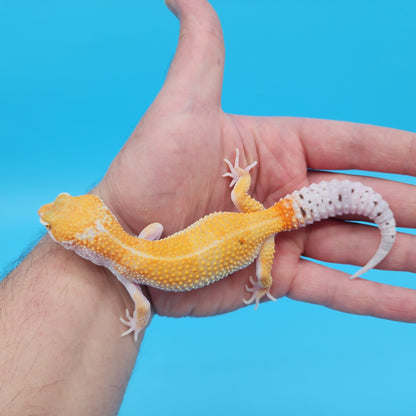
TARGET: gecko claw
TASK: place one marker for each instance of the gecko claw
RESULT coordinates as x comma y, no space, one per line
236,172
132,323
257,293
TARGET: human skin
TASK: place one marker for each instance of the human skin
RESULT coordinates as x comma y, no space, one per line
60,346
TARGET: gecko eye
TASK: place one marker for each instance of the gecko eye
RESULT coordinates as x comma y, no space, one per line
46,224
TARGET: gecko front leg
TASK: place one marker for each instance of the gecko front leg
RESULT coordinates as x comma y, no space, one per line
240,180
142,308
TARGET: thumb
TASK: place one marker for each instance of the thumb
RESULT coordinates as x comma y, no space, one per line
196,72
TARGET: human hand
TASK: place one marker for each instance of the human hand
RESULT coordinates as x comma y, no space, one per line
170,170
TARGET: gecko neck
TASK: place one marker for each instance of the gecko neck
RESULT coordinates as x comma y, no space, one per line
107,244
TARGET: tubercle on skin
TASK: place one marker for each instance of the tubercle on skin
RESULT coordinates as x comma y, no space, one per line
208,250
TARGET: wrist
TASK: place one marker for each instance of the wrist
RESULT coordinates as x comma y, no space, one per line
54,281
60,319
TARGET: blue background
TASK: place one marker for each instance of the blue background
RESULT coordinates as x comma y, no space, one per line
75,78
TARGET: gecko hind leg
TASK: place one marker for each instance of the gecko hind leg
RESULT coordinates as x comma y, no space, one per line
240,182
261,286
236,172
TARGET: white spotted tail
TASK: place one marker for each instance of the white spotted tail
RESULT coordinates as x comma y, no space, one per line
330,199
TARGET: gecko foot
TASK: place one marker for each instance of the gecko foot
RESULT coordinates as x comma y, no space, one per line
134,325
236,172
257,293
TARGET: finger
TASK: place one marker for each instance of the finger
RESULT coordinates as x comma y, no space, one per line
331,288
351,243
195,75
342,145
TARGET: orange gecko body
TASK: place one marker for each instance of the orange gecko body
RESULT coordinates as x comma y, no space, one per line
208,250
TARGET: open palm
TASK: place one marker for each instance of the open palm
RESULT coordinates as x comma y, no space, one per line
170,170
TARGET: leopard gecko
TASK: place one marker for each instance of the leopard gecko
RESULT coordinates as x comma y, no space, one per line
215,246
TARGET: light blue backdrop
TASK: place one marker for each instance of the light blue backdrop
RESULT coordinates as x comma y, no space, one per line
75,78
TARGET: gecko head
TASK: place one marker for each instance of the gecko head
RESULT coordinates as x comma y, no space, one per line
68,216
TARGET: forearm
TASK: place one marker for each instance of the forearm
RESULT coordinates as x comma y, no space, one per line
60,345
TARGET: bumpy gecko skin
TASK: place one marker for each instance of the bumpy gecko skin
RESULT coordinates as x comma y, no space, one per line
213,247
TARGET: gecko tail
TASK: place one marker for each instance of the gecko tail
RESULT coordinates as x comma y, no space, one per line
330,199
387,240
